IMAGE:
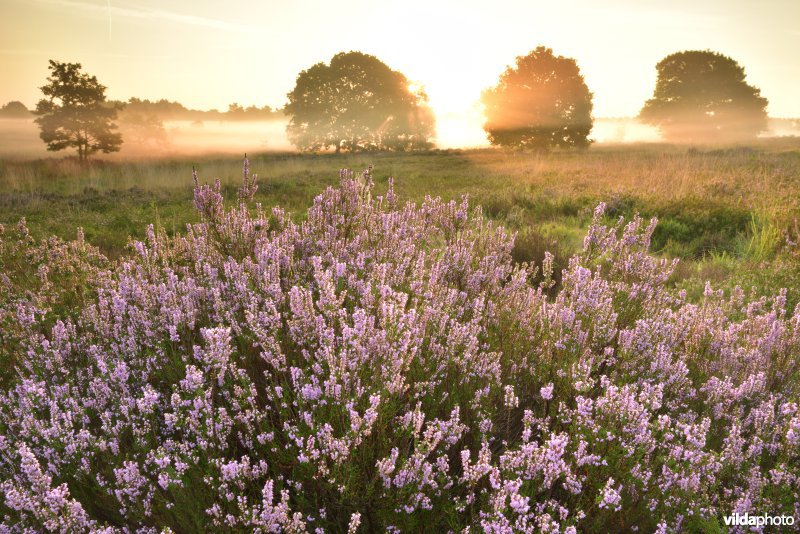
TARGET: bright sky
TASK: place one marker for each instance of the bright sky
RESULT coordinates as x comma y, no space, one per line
208,54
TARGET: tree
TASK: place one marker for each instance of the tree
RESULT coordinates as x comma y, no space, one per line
703,96
75,113
357,103
14,110
138,123
541,103
235,110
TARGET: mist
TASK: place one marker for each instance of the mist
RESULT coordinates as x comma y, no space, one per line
19,138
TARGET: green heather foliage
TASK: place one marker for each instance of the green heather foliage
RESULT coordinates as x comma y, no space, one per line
384,366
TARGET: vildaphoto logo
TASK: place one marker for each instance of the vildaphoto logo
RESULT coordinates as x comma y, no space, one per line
746,520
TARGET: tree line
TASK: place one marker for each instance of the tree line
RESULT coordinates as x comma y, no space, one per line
355,102
163,110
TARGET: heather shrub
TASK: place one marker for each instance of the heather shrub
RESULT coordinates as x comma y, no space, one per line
387,366
51,279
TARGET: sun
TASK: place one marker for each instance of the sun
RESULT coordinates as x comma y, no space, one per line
459,115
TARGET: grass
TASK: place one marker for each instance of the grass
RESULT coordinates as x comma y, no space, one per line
724,212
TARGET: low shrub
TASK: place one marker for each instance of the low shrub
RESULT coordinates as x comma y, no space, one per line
693,228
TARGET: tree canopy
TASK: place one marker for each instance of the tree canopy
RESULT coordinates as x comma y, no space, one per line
75,114
142,127
702,95
543,102
14,110
357,103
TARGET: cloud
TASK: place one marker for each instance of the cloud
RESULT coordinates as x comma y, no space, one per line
149,14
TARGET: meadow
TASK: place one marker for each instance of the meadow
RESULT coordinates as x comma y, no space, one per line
335,351
727,212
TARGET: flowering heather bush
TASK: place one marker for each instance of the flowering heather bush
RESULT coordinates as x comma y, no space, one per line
383,367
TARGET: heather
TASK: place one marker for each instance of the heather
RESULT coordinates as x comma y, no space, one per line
385,365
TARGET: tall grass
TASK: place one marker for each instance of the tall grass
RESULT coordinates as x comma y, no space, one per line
736,201
763,240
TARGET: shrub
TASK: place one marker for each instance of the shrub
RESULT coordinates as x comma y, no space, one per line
697,227
386,366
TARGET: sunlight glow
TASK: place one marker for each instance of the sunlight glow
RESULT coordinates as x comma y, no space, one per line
460,130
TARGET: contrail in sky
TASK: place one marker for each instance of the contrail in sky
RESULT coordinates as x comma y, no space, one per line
150,14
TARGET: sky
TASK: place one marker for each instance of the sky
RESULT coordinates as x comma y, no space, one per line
207,54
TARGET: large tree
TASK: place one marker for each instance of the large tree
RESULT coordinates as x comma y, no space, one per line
542,102
75,113
357,103
702,96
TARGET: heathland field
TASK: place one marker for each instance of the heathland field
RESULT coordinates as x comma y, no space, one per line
500,290
729,214
383,366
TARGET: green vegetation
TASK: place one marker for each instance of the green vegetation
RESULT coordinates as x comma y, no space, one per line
726,213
